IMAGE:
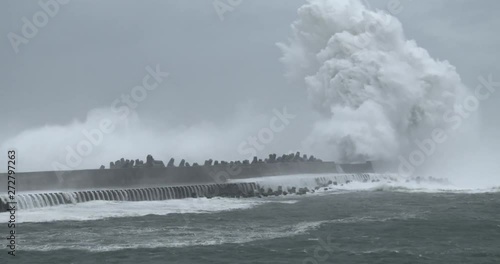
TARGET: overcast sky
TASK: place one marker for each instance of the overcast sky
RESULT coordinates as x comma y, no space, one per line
93,51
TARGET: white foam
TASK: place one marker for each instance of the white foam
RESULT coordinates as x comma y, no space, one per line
304,180
175,236
169,237
96,210
394,183
409,187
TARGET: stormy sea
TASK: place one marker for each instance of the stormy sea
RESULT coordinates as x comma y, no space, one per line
382,222
375,95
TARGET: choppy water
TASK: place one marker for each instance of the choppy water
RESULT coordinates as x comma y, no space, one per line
364,224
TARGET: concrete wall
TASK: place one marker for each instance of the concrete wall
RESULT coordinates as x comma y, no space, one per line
308,183
167,176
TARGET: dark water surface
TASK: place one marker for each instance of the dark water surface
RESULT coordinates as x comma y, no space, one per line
339,227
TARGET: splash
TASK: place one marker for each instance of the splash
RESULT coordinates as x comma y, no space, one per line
376,91
105,136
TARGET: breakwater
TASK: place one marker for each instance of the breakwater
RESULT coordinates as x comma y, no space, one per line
151,181
168,176
234,190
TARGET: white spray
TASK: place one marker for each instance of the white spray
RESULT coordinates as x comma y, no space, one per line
88,144
376,91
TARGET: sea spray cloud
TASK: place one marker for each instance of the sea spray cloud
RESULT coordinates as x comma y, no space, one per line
39,148
376,91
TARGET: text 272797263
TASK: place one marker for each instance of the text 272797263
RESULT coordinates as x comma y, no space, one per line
11,204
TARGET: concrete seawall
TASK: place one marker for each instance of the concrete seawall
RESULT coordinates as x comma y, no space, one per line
51,188
167,176
263,188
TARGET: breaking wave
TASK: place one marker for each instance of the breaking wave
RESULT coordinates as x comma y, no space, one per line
377,91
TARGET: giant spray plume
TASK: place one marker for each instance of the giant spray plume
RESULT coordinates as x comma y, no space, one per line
376,91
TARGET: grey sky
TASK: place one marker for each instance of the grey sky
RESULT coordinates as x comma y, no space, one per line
93,51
